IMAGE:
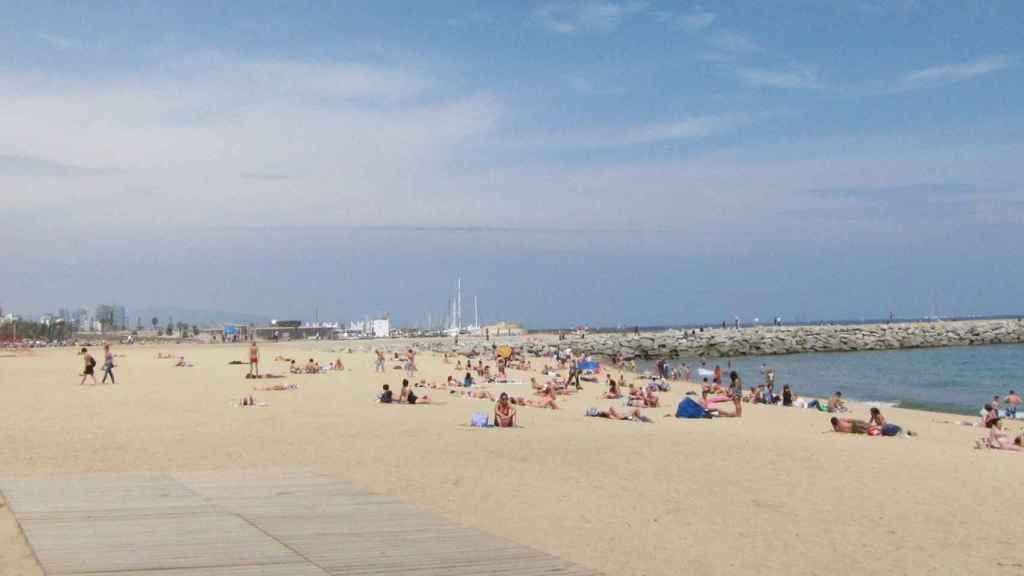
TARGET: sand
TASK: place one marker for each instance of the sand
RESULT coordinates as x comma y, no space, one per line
774,492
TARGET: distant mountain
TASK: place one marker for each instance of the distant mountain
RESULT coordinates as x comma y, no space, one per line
201,318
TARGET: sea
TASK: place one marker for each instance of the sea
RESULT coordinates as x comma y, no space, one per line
958,380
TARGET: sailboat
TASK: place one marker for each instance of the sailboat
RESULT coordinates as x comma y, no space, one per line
455,325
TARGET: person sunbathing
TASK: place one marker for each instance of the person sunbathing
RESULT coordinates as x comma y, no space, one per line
282,359
836,404
612,414
884,428
999,440
181,363
651,399
850,425
543,402
409,397
276,387
614,392
311,367
504,413
482,394
162,356
737,411
337,365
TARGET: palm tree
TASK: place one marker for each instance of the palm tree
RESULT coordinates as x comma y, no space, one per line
155,322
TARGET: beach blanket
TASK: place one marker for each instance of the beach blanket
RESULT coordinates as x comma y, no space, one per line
690,408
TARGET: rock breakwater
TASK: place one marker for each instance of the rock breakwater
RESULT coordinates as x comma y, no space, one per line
753,341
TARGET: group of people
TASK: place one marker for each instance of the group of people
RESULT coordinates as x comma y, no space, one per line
89,371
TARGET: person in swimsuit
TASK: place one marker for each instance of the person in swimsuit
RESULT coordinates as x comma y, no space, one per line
835,403
612,414
108,364
614,391
90,367
254,359
1012,403
885,428
999,440
850,425
504,413
409,397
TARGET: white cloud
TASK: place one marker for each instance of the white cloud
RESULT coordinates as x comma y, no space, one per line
793,77
209,134
950,73
732,42
587,17
57,41
693,128
694,21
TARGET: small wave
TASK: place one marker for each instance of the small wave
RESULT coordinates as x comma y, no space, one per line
877,403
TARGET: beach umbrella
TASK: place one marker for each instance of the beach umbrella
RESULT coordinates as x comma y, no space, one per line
589,365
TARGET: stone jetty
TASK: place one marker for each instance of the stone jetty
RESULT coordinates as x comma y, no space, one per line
751,341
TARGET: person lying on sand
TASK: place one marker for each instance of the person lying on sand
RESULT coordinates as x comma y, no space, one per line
311,367
543,402
283,359
999,440
612,414
277,387
262,376
504,413
162,356
181,363
850,425
482,394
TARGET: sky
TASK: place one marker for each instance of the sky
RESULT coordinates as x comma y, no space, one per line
603,163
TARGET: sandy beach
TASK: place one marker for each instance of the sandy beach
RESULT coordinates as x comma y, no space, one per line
773,492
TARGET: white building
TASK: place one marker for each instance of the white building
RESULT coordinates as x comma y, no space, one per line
377,328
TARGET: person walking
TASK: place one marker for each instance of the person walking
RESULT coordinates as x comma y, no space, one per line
108,364
254,359
90,367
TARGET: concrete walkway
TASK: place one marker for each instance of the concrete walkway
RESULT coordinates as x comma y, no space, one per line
246,524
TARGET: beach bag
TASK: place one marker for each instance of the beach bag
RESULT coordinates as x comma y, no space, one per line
689,408
478,420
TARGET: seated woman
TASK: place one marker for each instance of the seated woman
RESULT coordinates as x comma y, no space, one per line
787,396
999,440
337,365
468,380
613,390
884,428
407,396
504,413
651,399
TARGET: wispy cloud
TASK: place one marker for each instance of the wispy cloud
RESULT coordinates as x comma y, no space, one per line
57,41
950,73
693,128
264,176
795,77
694,21
589,17
732,42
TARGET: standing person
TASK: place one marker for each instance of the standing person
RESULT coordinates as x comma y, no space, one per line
379,366
254,360
90,367
718,375
1012,403
108,364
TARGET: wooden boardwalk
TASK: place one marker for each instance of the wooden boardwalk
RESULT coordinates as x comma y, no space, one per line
248,524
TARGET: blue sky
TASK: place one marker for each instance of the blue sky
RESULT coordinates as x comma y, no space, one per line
576,162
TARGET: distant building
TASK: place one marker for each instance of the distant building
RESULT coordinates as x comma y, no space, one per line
376,328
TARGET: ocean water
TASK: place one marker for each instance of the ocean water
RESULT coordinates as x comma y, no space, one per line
958,380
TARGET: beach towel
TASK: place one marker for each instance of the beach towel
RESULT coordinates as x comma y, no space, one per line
689,408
